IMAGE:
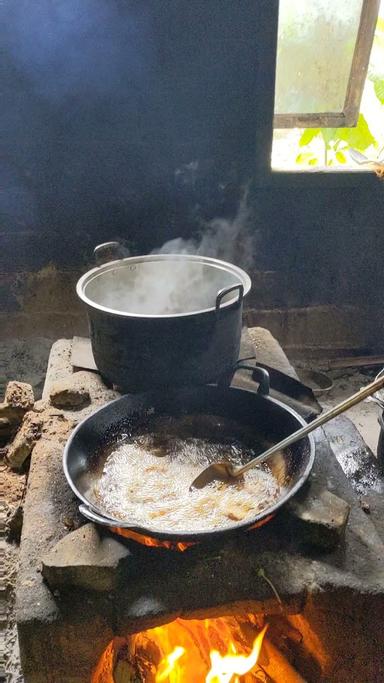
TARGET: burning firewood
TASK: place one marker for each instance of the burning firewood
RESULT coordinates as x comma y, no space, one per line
124,672
273,662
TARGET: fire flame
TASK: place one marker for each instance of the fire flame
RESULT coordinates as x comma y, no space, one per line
215,650
224,668
168,664
170,545
151,542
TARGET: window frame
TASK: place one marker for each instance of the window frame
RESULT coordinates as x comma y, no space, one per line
264,176
359,67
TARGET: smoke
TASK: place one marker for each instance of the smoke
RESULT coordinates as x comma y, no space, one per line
105,102
226,239
67,47
75,79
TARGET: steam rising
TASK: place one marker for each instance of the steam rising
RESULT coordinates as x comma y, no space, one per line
175,286
228,240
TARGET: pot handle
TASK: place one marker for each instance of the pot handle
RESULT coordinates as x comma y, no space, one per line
99,519
222,293
108,251
92,516
258,374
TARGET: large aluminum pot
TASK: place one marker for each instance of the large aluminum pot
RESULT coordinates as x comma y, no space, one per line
164,319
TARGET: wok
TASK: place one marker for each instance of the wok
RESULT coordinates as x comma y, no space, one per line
255,411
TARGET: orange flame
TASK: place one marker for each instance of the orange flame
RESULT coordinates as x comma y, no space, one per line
214,650
171,545
223,668
168,664
151,542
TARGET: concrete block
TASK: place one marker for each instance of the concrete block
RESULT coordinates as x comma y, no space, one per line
86,559
69,393
320,518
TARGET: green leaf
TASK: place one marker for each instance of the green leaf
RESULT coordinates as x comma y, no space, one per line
306,158
379,89
308,136
303,157
341,158
329,134
360,137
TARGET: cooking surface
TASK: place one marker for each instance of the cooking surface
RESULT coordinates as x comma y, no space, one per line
145,479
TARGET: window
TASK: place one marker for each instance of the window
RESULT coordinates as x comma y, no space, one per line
329,90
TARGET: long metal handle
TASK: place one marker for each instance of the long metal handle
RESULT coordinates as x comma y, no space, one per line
307,429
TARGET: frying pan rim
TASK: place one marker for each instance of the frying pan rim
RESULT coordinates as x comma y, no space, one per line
185,536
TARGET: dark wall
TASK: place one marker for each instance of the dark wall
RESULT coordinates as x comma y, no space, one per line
326,243
122,118
141,120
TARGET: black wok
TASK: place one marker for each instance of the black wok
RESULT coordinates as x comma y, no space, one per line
268,419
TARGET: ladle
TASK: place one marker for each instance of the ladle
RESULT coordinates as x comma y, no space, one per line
225,471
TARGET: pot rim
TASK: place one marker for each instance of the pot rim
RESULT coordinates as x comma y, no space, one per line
85,279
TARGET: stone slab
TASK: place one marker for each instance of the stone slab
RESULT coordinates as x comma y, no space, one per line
269,351
85,558
354,456
82,355
71,392
319,517
59,365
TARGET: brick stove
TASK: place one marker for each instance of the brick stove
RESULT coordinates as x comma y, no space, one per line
318,582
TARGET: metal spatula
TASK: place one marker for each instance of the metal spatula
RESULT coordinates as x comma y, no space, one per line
225,471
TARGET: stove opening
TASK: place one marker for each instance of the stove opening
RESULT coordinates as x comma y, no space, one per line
231,649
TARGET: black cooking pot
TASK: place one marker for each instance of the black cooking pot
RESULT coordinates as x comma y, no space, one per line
268,418
164,319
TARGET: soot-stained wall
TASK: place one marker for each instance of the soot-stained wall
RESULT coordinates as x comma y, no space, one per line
140,121
122,117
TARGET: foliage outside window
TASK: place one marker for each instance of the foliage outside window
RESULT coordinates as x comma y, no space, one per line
320,147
